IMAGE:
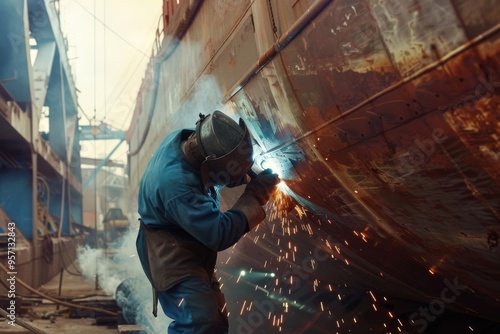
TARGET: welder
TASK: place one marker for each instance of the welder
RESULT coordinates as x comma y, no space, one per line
181,225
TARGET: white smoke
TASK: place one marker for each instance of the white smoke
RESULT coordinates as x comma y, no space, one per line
174,110
205,98
120,264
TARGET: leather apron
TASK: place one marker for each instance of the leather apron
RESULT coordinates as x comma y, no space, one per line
169,256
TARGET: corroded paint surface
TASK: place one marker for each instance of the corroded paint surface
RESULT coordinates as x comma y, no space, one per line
396,136
383,119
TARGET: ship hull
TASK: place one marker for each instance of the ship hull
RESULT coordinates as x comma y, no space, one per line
381,117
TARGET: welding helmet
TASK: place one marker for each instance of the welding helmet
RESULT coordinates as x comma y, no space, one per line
226,147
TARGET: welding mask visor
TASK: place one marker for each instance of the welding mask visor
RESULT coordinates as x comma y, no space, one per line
227,148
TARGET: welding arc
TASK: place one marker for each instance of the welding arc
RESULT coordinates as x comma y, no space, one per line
57,301
23,323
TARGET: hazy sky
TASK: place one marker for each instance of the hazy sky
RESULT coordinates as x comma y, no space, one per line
109,63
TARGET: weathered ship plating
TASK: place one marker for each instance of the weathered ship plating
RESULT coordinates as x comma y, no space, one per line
382,116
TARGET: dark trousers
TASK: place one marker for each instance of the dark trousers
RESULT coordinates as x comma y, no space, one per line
196,307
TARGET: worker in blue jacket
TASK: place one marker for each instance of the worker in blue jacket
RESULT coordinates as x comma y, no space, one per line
181,225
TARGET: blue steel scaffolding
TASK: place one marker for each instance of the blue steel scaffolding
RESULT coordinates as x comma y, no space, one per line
40,173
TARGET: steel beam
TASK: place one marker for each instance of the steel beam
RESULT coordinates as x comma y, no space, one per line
102,164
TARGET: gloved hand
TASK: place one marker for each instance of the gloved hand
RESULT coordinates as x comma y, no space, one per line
262,186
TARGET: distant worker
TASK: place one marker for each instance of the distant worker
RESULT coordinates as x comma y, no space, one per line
181,225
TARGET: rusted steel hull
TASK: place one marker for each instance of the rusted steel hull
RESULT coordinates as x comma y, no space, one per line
383,119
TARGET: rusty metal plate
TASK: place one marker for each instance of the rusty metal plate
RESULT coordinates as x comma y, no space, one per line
338,64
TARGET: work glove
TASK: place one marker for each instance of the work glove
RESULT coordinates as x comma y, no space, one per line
256,194
263,185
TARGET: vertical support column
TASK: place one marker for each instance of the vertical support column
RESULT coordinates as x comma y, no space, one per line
34,240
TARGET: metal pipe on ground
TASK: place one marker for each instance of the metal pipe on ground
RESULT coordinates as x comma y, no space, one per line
57,301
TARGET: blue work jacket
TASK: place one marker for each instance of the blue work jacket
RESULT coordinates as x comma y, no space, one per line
182,226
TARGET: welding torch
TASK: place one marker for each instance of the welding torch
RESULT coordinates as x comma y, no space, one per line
282,201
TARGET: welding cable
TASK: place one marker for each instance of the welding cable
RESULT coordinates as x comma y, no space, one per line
23,323
57,301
